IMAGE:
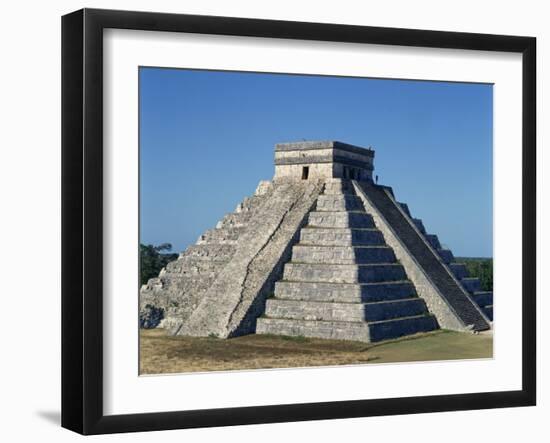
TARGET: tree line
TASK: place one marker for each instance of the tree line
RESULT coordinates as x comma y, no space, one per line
153,259
481,268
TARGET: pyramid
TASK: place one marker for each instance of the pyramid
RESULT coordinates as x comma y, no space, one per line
319,251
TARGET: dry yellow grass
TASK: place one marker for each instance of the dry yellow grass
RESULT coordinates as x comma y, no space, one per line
161,353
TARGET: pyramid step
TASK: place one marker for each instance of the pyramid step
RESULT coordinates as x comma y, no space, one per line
488,311
228,235
459,270
388,329
446,255
338,187
339,202
341,236
344,292
359,331
420,225
405,208
210,251
471,284
248,204
483,298
462,307
340,219
343,273
342,254
327,311
190,267
434,241
235,219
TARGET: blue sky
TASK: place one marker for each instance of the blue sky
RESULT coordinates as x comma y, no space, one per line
207,139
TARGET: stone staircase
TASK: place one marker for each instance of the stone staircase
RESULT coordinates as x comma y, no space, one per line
343,280
484,299
424,249
180,286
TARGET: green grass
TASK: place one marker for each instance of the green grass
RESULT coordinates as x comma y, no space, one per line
161,353
444,345
296,338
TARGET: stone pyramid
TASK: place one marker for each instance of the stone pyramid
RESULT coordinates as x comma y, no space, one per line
320,251
343,280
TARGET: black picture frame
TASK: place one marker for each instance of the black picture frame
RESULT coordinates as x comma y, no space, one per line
82,218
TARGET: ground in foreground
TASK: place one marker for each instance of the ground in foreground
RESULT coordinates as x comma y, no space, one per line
161,353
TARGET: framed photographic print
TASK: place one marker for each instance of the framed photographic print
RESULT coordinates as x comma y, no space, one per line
268,221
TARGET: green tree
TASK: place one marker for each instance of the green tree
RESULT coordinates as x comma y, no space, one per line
153,259
481,268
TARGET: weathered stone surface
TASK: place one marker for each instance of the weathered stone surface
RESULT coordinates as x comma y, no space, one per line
344,292
338,187
180,286
341,237
338,287
207,252
323,160
359,331
399,327
342,255
236,298
484,300
335,202
459,270
332,273
434,281
263,187
334,311
222,235
340,219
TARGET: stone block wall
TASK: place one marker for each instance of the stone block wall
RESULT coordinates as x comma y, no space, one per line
237,296
180,286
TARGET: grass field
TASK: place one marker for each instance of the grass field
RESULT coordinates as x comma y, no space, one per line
161,353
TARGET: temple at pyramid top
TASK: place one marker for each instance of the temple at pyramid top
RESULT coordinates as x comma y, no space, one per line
323,159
